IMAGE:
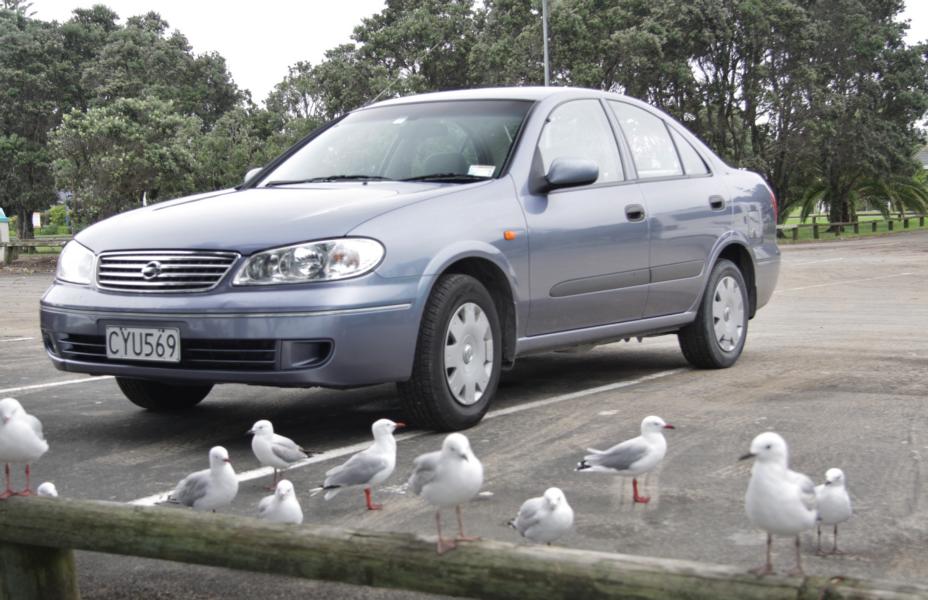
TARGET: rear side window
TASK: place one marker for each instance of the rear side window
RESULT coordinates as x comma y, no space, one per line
580,129
649,141
692,162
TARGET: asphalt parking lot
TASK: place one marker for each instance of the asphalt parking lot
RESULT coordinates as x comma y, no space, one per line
836,363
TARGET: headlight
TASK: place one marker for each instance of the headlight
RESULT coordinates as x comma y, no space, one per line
327,260
75,264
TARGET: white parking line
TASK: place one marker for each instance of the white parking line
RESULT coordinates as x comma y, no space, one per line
346,450
844,282
55,384
19,339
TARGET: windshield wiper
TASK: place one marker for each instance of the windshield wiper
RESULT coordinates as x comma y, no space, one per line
448,177
328,178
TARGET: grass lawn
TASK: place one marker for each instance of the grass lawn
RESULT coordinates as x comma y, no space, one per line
866,229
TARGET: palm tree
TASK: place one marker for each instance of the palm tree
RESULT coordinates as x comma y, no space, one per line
896,193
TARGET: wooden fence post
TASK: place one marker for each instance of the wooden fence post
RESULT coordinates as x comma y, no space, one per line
890,224
796,233
873,226
814,230
905,223
856,226
37,573
921,221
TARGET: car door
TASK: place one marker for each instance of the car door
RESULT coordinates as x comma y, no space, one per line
688,208
588,244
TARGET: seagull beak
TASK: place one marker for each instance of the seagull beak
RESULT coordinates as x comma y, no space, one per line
251,431
747,456
227,460
827,482
398,425
669,426
465,457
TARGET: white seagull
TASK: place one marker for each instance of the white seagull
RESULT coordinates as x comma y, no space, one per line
834,505
281,506
544,519
370,467
47,489
21,441
632,457
210,488
273,450
447,478
778,500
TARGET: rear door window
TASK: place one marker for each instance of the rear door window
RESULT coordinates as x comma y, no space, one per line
693,164
649,141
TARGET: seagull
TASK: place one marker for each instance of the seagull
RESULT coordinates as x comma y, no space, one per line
778,500
447,478
632,457
544,519
210,488
834,505
21,441
47,489
274,450
281,506
372,466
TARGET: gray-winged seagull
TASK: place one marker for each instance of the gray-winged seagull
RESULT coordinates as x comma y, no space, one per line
778,500
544,519
370,467
281,506
633,457
210,488
274,450
21,442
834,505
446,478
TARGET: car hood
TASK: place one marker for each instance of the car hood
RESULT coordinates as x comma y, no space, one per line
255,219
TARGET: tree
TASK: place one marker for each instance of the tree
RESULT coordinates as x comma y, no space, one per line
111,156
31,74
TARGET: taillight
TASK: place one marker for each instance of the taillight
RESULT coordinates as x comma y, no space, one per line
773,203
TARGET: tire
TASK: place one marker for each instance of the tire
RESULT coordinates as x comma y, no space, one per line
162,397
458,321
716,338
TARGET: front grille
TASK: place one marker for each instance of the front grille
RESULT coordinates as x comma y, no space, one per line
162,271
215,355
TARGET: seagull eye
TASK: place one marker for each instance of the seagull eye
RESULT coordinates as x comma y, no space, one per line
768,446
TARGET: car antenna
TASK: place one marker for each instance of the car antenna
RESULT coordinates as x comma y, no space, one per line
392,83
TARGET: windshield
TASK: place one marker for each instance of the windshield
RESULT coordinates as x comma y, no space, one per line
456,141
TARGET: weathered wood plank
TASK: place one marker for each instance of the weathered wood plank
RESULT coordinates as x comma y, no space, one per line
37,573
486,569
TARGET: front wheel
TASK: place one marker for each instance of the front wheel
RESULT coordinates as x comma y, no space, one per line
716,338
162,397
458,357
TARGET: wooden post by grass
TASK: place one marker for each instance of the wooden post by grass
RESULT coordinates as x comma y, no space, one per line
889,224
814,231
873,226
905,223
796,233
921,221
485,569
856,227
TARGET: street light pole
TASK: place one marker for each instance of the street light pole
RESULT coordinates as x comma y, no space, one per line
544,32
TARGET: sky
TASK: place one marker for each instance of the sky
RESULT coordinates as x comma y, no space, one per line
261,40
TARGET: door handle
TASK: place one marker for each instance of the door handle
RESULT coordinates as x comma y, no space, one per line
716,202
634,212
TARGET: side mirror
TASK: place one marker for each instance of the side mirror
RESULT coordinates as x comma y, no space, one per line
571,172
251,173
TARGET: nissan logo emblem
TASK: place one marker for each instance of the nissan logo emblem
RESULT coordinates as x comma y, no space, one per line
151,270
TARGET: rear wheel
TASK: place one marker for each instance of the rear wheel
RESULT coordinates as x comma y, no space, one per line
162,397
716,338
458,357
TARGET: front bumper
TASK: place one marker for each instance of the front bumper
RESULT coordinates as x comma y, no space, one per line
342,334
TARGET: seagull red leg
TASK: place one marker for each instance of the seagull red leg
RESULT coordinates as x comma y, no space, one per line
370,504
461,537
635,496
766,569
797,570
7,492
27,491
443,546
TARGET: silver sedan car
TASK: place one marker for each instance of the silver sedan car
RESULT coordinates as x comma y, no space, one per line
428,241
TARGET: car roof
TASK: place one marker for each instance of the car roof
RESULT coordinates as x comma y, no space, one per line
533,93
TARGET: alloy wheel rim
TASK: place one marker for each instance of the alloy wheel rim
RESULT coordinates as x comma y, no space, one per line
728,313
468,356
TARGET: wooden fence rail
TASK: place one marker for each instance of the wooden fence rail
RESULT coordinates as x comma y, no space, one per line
10,249
37,536
839,228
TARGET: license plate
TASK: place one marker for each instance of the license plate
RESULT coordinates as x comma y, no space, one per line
161,344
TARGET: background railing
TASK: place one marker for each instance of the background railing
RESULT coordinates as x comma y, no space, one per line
38,535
